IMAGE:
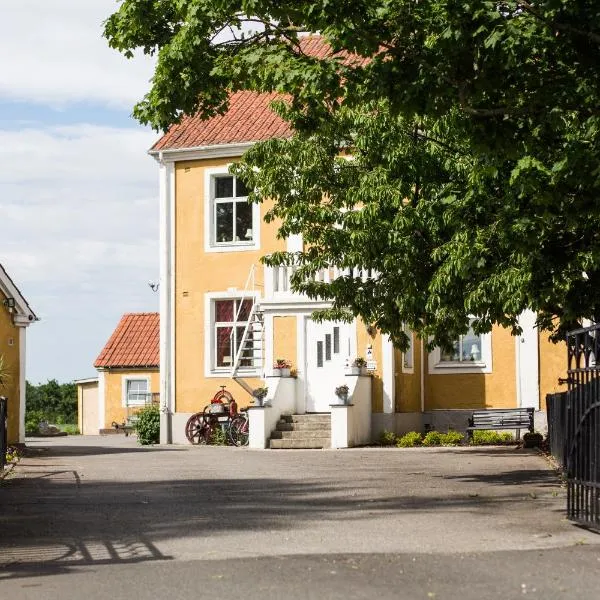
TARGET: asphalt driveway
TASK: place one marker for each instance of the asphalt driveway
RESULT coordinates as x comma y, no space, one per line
108,512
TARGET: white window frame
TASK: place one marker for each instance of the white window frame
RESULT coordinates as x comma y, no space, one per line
210,368
484,365
210,244
125,380
409,368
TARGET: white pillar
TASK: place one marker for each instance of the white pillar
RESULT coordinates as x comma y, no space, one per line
527,359
22,383
388,375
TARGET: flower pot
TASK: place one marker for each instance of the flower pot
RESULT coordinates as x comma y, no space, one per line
356,370
343,399
276,372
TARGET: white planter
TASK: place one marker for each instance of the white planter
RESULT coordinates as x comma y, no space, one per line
356,370
281,372
343,400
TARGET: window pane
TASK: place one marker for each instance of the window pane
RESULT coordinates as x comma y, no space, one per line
224,212
223,350
240,188
471,346
224,311
224,187
336,340
408,355
319,354
451,356
245,311
248,352
243,225
327,346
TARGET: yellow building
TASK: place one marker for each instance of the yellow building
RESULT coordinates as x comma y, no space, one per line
225,318
127,376
15,316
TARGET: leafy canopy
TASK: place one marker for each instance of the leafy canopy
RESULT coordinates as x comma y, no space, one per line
468,137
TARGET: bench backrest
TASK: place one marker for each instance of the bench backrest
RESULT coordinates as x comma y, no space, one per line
508,417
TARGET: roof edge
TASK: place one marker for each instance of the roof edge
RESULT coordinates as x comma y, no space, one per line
25,314
196,152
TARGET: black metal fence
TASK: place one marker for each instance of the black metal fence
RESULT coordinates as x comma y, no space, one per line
574,426
3,430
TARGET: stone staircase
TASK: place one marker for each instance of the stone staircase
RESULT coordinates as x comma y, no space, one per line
302,431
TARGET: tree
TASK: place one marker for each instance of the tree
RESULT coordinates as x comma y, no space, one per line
53,401
467,132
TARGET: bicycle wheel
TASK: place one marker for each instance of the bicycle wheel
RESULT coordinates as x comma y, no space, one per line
239,431
197,430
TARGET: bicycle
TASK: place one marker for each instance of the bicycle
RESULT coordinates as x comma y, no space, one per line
239,431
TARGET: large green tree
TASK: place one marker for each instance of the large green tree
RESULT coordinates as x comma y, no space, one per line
468,138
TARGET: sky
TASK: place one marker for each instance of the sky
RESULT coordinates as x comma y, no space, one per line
78,191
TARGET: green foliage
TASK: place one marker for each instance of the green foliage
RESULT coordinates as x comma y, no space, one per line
218,437
32,420
387,438
5,372
13,454
478,178
433,438
452,438
484,437
69,428
51,401
410,439
147,426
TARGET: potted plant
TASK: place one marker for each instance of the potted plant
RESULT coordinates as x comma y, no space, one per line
259,394
341,391
357,367
282,368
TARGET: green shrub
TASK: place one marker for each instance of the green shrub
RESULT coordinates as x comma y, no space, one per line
433,438
409,440
148,425
12,454
486,437
387,438
218,437
69,428
452,438
32,420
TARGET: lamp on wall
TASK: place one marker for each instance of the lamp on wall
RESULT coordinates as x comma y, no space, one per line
10,304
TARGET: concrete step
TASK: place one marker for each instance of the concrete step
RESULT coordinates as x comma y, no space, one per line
304,426
307,418
300,435
315,443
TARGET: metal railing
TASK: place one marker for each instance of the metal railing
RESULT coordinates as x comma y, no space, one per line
580,422
3,430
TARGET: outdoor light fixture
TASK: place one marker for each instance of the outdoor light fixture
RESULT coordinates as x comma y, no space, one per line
9,303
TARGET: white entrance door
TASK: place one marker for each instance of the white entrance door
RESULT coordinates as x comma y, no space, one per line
328,345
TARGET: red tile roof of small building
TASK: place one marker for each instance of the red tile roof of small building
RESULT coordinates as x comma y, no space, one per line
248,119
134,343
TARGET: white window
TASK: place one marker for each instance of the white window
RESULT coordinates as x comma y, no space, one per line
228,323
470,353
232,223
407,357
136,391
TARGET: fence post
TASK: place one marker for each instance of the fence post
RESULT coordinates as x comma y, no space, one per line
3,430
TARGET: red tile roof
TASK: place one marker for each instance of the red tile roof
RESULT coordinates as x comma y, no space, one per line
249,118
134,343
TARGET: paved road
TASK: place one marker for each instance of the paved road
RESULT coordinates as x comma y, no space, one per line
100,517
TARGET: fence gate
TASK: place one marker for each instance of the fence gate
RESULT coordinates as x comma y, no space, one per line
582,427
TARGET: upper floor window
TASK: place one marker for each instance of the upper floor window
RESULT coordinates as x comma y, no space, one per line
234,222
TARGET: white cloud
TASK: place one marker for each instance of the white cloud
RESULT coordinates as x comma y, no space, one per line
79,234
54,53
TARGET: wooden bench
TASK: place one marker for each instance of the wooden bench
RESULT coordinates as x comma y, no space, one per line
501,418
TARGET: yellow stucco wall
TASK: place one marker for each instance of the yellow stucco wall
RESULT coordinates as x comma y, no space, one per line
408,385
480,390
363,340
113,391
9,350
553,364
285,339
199,272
